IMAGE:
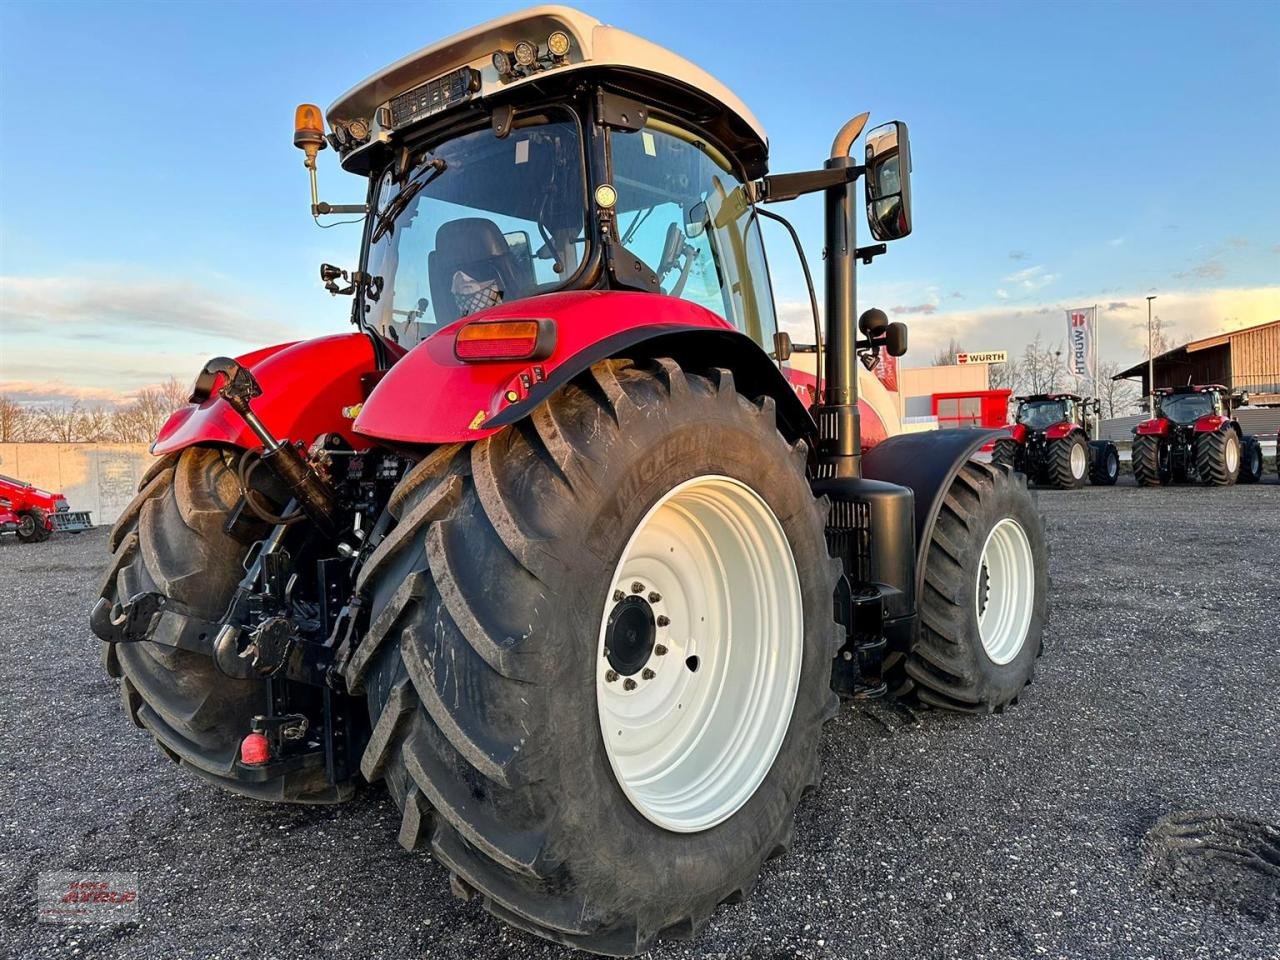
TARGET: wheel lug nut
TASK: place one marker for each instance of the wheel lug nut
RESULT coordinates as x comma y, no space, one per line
664,621
659,650
637,587
618,596
654,596
610,676
628,684
646,674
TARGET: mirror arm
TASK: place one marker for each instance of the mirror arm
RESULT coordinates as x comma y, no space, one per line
778,187
869,253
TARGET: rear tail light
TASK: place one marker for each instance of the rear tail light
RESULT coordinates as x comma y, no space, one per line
495,340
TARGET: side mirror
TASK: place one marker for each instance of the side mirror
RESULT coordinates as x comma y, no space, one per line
895,340
782,346
889,181
1244,399
1097,408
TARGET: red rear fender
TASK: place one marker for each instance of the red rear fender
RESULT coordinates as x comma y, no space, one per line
1060,430
430,396
308,388
1153,428
1210,423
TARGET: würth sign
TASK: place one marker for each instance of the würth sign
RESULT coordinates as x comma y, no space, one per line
991,356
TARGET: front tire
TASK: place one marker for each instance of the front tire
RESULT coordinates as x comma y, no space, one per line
1251,461
984,605
487,673
1218,457
33,527
1106,466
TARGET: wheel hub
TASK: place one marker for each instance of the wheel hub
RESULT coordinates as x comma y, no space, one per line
630,635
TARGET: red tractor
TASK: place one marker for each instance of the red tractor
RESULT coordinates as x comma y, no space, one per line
1195,436
551,544
34,514
1050,441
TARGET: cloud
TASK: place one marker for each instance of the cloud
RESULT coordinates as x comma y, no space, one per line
58,392
1208,270
955,295
1186,314
1237,243
1027,280
124,310
918,308
1115,242
1017,254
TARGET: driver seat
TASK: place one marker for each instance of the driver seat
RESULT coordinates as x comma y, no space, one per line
475,246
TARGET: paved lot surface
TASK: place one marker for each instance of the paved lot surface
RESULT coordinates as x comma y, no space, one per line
1020,835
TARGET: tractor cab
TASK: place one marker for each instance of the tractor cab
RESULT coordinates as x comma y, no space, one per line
542,153
1185,405
1041,411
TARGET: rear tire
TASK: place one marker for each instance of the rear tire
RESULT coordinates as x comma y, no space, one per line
1005,453
1218,457
1251,461
1106,466
485,673
987,557
32,526
171,540
1067,463
1146,461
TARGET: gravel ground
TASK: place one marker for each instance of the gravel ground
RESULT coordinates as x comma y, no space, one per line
1021,835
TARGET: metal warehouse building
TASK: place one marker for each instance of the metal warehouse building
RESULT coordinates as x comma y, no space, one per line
1247,359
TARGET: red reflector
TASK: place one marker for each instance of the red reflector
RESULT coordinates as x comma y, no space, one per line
483,340
254,750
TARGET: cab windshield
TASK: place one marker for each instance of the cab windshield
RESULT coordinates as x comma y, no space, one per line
1042,414
683,211
1186,407
475,221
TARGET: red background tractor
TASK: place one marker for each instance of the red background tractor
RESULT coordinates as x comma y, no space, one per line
1050,442
1195,436
33,514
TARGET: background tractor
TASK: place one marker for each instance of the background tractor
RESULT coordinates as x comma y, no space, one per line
557,544
1195,436
34,514
1050,441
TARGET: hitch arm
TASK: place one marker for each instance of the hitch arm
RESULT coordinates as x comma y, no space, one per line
239,387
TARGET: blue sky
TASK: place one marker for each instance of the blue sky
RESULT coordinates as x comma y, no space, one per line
153,208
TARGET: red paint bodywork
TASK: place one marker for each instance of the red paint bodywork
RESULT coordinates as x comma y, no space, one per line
1153,428
430,396
1059,430
17,498
305,386
873,428
1019,432
1210,423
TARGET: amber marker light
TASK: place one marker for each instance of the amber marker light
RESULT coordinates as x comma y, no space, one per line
484,341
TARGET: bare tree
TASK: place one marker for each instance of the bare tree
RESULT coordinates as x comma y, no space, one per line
1005,376
142,419
1042,367
946,356
59,424
14,421
1119,397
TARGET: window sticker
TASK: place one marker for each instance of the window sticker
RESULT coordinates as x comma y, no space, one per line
522,151
650,147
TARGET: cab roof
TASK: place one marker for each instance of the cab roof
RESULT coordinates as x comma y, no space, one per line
593,47
1050,396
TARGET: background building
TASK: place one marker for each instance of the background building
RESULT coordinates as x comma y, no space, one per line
1247,359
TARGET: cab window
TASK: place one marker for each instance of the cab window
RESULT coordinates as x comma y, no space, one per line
683,211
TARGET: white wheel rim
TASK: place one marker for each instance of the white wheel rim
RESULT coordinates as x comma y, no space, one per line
1078,461
697,729
1232,455
1113,463
1005,591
